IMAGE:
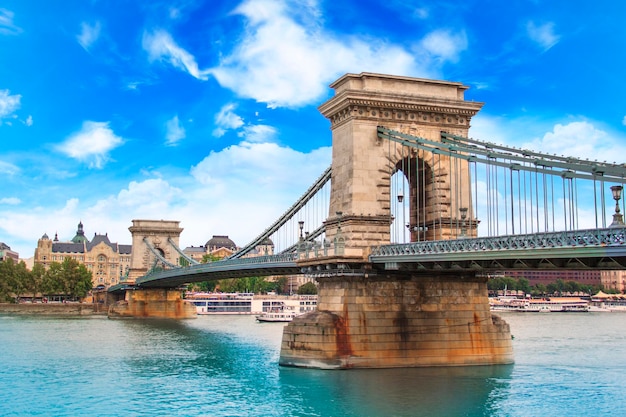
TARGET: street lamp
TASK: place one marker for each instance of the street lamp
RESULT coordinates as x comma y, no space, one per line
618,218
301,225
463,211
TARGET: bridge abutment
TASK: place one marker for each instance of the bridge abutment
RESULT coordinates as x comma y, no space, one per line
153,303
398,321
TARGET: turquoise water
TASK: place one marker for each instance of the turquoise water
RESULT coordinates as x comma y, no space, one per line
566,365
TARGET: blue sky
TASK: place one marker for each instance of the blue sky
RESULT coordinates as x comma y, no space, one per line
206,111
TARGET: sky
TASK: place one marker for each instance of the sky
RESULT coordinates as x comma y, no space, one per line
205,112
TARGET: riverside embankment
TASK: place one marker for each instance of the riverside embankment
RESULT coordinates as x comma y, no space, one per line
54,309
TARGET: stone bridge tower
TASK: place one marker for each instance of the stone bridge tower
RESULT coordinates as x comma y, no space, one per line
371,317
151,302
363,164
158,234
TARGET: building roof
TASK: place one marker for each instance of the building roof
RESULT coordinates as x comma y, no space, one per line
219,241
80,244
68,247
192,249
97,239
80,234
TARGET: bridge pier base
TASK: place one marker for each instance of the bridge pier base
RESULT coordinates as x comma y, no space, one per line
407,321
153,303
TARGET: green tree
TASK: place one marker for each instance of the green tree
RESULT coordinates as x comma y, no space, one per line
21,279
209,257
7,279
53,280
280,285
70,278
307,289
78,279
36,279
523,285
538,290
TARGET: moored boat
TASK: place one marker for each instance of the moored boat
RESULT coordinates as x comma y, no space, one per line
540,305
249,303
278,313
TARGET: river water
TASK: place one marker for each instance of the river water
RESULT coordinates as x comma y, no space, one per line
566,365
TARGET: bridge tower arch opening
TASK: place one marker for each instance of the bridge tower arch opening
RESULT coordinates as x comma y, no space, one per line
429,201
363,163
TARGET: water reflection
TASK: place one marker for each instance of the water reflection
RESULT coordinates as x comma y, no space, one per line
458,391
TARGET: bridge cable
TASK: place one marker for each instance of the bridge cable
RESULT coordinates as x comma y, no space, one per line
181,253
287,216
158,255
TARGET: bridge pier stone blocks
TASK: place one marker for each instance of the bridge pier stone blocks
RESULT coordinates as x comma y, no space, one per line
165,303
398,321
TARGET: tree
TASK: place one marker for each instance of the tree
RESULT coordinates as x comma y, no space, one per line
209,257
70,278
21,279
523,285
280,285
307,289
36,279
538,289
7,273
78,279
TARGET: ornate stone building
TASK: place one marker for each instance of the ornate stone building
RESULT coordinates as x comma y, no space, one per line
108,262
6,253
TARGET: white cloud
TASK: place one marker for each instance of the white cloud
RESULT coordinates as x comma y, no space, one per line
421,13
160,46
543,35
7,27
285,63
12,201
175,132
8,168
286,59
624,121
237,191
138,200
29,121
8,104
226,119
445,45
579,139
91,144
258,133
89,34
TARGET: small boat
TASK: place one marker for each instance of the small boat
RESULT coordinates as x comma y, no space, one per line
281,313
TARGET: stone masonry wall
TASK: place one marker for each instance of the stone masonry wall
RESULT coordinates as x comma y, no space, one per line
411,322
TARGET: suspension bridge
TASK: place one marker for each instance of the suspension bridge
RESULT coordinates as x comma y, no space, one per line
401,230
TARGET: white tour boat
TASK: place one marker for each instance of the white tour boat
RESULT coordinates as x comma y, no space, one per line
279,313
249,303
540,305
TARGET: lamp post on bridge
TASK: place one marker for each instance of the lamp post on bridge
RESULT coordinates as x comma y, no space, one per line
401,201
463,211
618,218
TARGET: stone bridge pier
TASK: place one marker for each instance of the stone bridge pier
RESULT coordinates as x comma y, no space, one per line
375,318
151,236
398,321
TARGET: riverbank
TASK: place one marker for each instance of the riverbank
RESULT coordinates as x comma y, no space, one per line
54,309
